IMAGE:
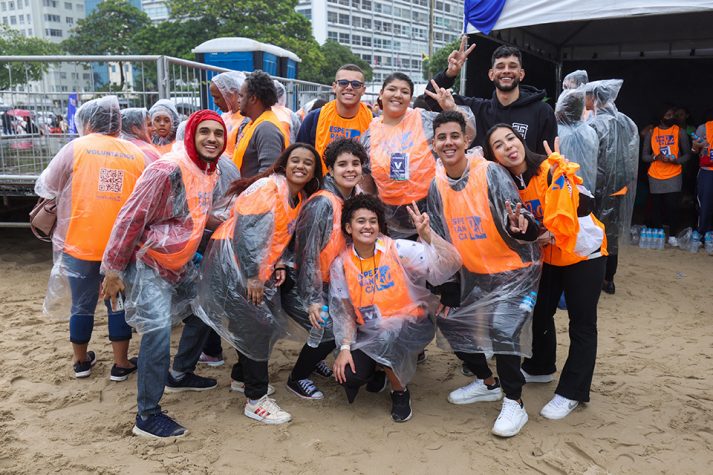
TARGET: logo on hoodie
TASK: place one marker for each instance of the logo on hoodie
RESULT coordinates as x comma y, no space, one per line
521,129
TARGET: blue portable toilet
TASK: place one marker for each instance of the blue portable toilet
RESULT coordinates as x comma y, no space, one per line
245,54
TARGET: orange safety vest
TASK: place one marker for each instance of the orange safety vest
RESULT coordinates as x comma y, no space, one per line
408,137
267,195
379,281
164,149
471,225
249,130
199,198
665,141
150,151
284,114
706,157
336,243
104,173
331,126
232,119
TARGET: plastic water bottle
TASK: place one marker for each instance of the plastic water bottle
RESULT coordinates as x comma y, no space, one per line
316,334
647,238
528,302
661,239
708,240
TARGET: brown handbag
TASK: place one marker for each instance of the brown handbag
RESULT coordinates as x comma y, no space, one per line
43,219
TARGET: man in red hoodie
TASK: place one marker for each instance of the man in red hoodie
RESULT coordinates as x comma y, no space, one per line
149,262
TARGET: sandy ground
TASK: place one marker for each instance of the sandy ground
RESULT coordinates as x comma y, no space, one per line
651,410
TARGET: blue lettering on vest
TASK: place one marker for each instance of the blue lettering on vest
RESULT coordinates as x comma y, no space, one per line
468,228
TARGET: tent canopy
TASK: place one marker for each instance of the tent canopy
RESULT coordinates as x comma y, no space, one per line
608,29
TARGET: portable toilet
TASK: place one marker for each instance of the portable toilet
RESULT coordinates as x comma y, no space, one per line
245,54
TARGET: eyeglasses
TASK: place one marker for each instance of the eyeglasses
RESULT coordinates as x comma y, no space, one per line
354,84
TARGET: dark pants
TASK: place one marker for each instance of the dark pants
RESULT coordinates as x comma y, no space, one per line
213,346
365,369
705,201
508,366
666,211
582,284
253,373
612,264
308,359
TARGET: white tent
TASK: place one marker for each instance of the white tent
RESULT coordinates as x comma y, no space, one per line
607,29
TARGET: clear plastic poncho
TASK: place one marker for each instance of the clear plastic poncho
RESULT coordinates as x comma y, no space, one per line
134,128
285,113
578,141
99,116
248,245
575,79
617,160
500,275
168,108
402,326
229,84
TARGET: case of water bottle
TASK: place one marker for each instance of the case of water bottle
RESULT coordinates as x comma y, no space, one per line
652,238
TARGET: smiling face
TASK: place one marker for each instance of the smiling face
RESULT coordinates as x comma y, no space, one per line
348,95
209,140
162,125
347,171
508,150
449,144
363,227
506,73
300,167
395,98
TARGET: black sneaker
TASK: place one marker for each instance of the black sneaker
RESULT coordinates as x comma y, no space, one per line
608,287
401,406
322,369
421,357
466,371
158,426
84,369
304,388
189,382
377,383
122,374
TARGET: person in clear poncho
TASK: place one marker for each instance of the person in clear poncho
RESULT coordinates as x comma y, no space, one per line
150,260
238,293
90,178
317,242
135,122
617,167
474,204
164,122
379,302
225,90
574,250
401,163
577,139
290,120
575,79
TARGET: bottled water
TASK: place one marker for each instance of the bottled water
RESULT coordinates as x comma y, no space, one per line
316,334
528,302
661,239
709,242
643,236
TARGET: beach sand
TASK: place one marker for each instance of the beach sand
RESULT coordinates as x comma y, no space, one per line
651,409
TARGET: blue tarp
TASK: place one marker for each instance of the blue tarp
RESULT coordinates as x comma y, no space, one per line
482,14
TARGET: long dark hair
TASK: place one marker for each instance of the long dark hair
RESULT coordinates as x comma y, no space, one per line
532,160
279,167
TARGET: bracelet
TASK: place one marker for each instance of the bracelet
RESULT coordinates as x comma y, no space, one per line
345,347
280,268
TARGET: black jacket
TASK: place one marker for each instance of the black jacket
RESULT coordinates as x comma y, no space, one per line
529,115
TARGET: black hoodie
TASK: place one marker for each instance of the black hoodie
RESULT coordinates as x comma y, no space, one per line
529,115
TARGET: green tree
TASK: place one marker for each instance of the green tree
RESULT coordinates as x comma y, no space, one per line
336,55
439,61
269,21
12,42
175,38
110,29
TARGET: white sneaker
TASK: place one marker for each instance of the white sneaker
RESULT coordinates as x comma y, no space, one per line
266,410
477,391
512,418
537,378
672,241
558,408
239,387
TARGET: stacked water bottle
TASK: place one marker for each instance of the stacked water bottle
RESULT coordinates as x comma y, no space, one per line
652,238
708,243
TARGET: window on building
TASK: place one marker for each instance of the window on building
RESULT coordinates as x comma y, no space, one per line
49,3
332,35
67,5
27,3
344,38
378,25
75,75
332,17
53,18
366,57
86,76
366,5
11,5
366,23
356,22
13,20
3,5
53,32
366,40
63,75
343,19
22,19
70,20
4,20
306,12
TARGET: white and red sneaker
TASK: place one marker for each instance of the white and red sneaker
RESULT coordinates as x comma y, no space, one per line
267,411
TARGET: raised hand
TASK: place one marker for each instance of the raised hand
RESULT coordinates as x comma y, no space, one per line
421,221
457,58
548,150
517,220
442,96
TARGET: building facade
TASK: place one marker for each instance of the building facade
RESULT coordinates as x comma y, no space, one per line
157,10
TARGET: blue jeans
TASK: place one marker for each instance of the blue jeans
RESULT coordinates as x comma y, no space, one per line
155,349
84,281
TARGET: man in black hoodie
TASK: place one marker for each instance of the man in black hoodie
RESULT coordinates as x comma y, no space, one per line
512,103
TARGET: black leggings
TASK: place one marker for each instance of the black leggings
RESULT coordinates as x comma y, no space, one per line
666,207
253,373
508,366
612,264
308,359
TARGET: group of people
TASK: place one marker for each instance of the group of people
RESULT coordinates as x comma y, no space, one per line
362,236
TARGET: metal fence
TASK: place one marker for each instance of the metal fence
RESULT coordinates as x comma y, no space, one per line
138,81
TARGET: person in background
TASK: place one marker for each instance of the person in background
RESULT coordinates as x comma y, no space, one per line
702,148
135,128
164,122
290,120
577,139
225,91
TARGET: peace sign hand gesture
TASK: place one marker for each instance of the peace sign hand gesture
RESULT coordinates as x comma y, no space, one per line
421,221
518,222
457,58
442,96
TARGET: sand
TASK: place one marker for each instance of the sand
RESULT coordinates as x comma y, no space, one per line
651,409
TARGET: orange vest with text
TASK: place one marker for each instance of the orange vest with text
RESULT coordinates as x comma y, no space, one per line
331,125
406,137
665,141
471,224
249,130
104,173
379,281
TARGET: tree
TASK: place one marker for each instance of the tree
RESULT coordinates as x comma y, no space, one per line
12,42
110,29
439,61
336,55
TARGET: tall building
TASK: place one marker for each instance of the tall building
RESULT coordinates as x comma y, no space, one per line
157,10
389,35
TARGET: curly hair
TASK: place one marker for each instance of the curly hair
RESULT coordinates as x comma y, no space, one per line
364,201
259,85
341,146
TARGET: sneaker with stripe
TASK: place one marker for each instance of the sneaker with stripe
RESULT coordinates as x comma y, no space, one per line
266,411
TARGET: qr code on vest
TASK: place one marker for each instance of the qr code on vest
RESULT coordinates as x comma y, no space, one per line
111,180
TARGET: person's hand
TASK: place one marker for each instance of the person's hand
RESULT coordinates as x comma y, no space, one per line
256,290
442,96
111,286
549,151
313,312
698,145
518,222
544,238
340,365
421,221
280,276
457,58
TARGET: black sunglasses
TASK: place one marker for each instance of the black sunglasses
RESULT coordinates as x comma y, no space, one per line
345,83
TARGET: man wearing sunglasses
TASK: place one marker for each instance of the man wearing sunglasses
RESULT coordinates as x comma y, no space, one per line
346,116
